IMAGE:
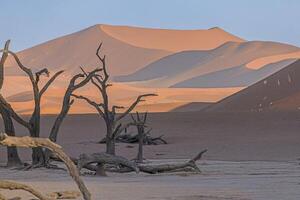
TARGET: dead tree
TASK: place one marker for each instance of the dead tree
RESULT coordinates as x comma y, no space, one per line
112,120
126,166
75,83
33,124
13,158
30,142
140,125
39,158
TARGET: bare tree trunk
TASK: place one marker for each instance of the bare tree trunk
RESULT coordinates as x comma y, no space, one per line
38,156
12,152
141,143
110,144
13,158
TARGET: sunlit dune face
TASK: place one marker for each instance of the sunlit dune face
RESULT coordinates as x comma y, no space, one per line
261,62
171,40
120,94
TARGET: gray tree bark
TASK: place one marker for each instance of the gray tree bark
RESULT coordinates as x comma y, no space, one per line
13,158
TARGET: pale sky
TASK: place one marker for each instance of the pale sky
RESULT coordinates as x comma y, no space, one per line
30,22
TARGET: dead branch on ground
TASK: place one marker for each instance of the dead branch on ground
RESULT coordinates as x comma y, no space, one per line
30,142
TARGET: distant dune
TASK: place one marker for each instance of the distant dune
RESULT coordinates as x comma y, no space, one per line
184,67
177,69
280,91
171,40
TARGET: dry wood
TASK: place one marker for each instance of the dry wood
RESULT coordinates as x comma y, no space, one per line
134,138
30,142
146,168
103,158
9,185
112,121
64,195
13,158
33,124
153,169
82,80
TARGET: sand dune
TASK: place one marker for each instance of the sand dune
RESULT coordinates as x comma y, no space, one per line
279,91
179,67
123,95
171,40
261,62
240,76
78,49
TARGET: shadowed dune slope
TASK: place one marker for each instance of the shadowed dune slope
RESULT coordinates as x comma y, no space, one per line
277,92
240,76
174,69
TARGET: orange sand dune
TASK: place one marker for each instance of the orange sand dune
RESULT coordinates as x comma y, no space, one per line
179,67
261,62
280,91
171,40
123,95
78,49
124,55
149,60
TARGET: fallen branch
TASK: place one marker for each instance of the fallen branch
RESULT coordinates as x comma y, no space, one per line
146,168
9,185
132,139
30,142
101,159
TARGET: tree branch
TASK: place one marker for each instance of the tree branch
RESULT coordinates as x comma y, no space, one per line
92,103
133,105
49,82
41,72
22,67
9,185
30,142
2,61
12,113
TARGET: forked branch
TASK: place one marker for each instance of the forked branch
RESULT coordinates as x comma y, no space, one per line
133,105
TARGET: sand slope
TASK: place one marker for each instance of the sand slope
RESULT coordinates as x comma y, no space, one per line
78,49
171,40
278,91
179,68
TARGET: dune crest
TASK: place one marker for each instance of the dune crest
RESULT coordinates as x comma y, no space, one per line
171,40
261,62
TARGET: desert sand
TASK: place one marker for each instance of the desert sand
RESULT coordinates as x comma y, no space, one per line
250,156
231,136
220,180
